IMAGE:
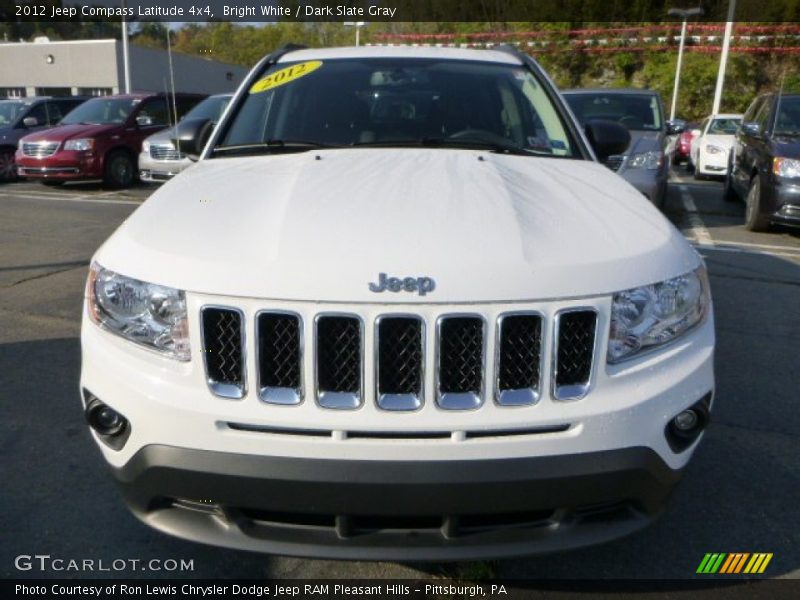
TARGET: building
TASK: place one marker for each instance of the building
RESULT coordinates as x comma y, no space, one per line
95,68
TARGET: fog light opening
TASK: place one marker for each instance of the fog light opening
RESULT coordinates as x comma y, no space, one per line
685,427
686,421
104,419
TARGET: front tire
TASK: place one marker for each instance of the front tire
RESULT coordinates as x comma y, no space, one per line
8,166
753,219
119,171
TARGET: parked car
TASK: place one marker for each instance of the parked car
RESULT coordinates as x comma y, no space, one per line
101,139
683,147
159,160
397,309
765,162
19,117
643,164
710,150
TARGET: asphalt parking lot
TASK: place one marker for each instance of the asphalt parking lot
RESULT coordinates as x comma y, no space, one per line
739,494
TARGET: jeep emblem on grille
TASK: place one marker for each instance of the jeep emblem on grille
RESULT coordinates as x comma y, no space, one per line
421,285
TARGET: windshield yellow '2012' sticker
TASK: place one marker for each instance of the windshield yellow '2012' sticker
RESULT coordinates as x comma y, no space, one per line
286,75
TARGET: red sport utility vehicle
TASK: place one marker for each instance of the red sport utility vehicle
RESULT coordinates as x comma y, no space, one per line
100,139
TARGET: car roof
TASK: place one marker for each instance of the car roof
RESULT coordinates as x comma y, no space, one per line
610,91
495,56
725,116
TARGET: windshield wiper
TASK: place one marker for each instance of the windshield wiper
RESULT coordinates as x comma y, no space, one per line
272,147
465,143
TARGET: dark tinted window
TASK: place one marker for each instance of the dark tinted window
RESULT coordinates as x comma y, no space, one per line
210,108
10,111
724,126
155,111
634,111
102,111
400,101
788,119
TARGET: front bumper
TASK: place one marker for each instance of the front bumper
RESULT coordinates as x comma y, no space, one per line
65,165
396,510
781,200
714,165
157,171
251,463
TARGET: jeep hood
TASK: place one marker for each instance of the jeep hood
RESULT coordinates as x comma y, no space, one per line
322,225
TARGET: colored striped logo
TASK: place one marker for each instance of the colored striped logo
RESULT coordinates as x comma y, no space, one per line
737,562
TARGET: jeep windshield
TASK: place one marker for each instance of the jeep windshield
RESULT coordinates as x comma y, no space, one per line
101,111
391,102
637,112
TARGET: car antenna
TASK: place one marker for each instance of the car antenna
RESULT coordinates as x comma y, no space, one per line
172,81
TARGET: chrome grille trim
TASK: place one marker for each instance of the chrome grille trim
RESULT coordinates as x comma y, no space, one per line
225,389
459,400
573,390
394,401
164,152
273,394
39,149
339,400
520,396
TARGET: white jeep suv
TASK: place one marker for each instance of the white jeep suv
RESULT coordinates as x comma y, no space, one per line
397,310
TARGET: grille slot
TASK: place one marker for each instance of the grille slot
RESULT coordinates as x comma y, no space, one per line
280,358
223,350
575,341
164,152
400,363
460,362
519,355
338,361
39,149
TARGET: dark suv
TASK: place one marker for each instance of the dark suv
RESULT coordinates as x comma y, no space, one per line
100,140
21,116
764,164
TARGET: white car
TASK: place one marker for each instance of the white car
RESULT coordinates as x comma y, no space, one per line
711,147
398,309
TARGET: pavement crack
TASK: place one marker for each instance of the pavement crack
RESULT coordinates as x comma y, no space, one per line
43,275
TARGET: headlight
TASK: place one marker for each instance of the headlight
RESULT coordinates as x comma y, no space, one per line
81,144
646,160
712,149
148,314
653,315
145,146
786,167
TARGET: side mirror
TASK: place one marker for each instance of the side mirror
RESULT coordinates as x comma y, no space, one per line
697,132
192,136
751,128
675,127
30,121
607,138
144,120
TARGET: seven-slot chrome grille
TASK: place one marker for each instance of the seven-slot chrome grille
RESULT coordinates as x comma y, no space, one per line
400,349
39,149
164,152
